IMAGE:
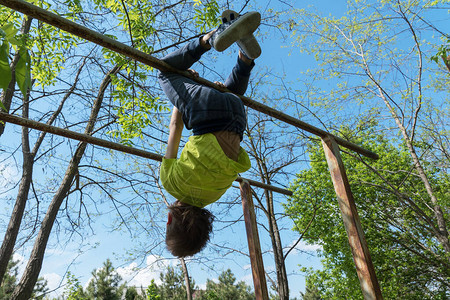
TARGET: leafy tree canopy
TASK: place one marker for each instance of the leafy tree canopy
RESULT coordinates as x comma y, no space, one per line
227,288
409,262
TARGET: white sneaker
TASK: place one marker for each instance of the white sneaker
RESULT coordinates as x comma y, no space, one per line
248,44
233,30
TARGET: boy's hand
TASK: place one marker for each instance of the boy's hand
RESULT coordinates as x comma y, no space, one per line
204,39
220,84
193,72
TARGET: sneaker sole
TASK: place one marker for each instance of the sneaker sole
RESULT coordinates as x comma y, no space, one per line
249,44
237,31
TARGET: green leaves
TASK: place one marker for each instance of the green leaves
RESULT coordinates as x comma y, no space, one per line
9,37
152,291
5,70
73,290
50,48
23,71
206,15
390,200
134,108
443,52
8,32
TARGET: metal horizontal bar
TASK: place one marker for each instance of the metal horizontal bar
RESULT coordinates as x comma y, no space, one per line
111,145
104,41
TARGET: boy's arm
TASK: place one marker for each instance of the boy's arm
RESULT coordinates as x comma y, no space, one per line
175,129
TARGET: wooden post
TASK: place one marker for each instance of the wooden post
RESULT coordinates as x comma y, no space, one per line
254,247
361,256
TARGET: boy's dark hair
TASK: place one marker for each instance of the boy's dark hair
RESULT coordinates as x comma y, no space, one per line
189,229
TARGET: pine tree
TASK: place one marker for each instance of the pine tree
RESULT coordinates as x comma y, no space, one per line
173,286
152,291
9,280
9,283
105,284
227,289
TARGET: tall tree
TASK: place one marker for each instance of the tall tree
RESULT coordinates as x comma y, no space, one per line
227,288
273,148
383,64
42,75
9,240
408,260
105,284
34,265
375,55
172,286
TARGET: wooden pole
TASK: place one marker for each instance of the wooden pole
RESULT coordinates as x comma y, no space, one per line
111,145
254,247
43,15
361,255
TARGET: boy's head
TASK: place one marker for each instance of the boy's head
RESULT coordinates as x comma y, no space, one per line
188,229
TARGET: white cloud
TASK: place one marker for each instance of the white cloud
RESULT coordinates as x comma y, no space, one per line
9,174
21,263
155,265
248,279
53,281
302,247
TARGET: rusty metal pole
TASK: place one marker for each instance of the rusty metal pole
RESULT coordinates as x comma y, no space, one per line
254,247
361,256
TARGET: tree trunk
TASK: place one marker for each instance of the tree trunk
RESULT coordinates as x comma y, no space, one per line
19,207
282,280
27,168
25,287
282,285
442,232
27,176
186,279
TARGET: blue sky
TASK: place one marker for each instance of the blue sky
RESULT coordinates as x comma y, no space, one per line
113,245
62,256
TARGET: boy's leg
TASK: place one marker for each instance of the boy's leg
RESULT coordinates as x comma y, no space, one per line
190,53
178,88
237,81
205,109
225,111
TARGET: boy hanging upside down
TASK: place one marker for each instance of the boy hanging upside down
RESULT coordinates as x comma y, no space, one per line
212,158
